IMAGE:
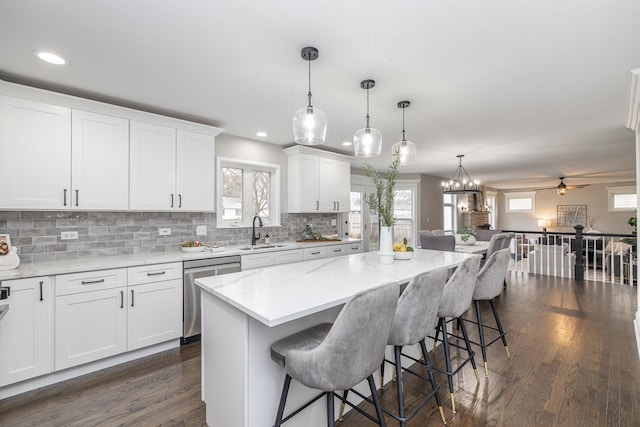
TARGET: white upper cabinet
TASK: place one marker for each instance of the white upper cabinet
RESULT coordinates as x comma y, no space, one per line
153,167
319,181
100,161
171,169
35,145
195,171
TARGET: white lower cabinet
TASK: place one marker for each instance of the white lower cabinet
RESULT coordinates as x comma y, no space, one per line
154,304
91,316
154,315
104,313
26,337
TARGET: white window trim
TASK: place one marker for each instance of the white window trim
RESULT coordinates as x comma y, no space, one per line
274,194
620,190
520,195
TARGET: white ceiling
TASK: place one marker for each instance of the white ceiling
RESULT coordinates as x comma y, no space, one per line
528,91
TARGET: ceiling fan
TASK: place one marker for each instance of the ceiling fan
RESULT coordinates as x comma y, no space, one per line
563,188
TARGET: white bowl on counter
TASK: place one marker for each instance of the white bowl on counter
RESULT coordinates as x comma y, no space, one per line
403,255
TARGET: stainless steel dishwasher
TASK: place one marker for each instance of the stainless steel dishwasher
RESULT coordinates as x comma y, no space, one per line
193,270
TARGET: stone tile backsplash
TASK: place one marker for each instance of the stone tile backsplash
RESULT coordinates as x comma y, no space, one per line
37,233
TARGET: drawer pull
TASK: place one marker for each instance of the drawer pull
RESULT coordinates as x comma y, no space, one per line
92,282
315,253
160,273
337,250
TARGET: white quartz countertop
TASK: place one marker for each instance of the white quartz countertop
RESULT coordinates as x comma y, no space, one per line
282,293
36,269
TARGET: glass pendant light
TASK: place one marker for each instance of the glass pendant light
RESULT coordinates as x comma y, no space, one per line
406,149
367,142
309,123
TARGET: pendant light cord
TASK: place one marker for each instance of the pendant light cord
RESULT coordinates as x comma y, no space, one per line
309,94
367,127
404,141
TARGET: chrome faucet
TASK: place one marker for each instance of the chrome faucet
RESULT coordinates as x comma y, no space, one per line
253,230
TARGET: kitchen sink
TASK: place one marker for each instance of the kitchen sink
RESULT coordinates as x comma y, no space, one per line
254,248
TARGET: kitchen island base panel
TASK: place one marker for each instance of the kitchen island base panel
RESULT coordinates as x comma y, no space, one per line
241,385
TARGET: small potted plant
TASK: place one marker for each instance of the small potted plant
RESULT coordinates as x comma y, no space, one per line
466,236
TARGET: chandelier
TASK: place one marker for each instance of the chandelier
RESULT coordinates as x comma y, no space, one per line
461,182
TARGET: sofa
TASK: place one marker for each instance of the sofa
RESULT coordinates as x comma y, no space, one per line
552,260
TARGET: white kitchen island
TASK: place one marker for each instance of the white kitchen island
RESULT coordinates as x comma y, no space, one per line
244,313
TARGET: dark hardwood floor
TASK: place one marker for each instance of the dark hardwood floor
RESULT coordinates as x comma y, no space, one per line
573,362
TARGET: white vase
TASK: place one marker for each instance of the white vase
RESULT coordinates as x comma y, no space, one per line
465,239
385,252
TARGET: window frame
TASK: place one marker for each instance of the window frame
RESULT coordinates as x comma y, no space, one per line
626,190
248,168
520,195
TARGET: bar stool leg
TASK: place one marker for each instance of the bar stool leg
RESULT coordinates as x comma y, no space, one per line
502,333
342,404
330,410
483,345
283,399
376,401
432,379
399,384
447,360
463,329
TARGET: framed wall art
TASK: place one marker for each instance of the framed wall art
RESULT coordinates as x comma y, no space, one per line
571,215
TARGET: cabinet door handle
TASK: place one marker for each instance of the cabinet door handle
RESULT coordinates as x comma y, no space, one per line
64,203
77,196
160,273
131,297
92,282
317,205
41,283
179,200
334,206
338,203
5,292
121,299
171,200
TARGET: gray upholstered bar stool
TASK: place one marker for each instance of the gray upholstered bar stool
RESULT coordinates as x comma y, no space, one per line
488,287
416,316
456,299
334,357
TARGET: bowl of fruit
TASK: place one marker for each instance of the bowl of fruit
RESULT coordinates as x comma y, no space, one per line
402,250
192,246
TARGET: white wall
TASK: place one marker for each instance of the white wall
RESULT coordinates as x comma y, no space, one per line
546,201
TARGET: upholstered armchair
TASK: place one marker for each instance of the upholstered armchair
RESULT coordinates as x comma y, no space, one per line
552,260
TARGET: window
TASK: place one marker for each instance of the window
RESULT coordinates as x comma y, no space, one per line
622,199
246,189
405,210
520,202
403,204
449,206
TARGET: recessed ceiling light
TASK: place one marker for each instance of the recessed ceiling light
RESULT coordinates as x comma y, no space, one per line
51,58
262,134
347,143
